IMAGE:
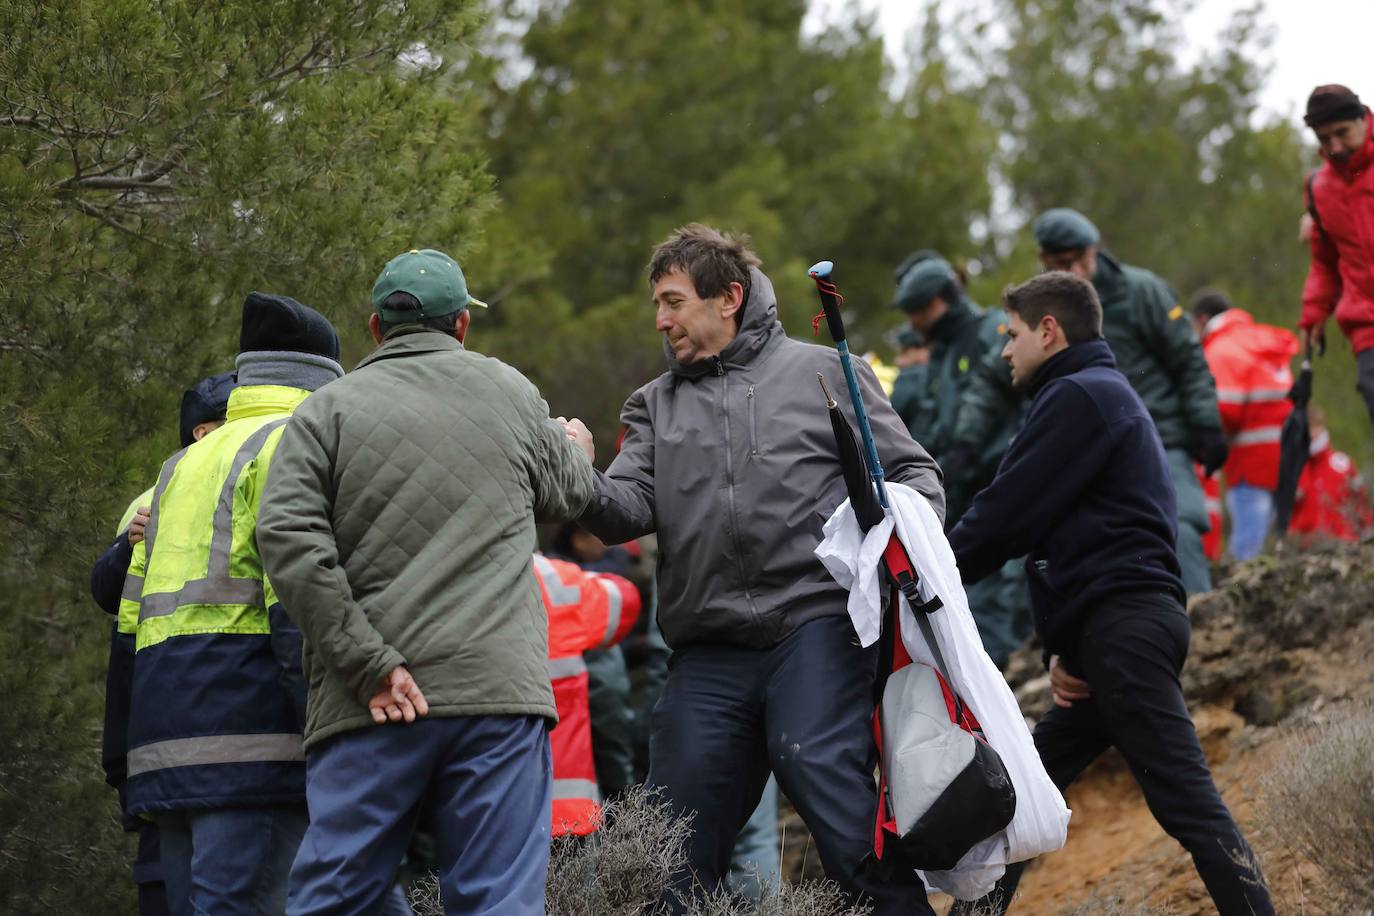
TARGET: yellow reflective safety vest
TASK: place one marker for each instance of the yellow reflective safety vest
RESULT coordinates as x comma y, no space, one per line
127,622
218,700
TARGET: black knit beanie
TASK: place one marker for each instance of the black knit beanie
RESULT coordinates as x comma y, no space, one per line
281,323
1332,102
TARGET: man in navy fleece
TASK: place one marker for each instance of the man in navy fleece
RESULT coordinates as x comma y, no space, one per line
1085,491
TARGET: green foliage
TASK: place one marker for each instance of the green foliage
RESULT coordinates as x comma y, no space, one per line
157,162
635,118
1173,161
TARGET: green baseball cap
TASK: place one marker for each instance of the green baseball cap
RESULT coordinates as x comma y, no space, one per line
430,276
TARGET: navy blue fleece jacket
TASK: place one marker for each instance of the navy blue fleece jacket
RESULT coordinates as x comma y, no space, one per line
1084,491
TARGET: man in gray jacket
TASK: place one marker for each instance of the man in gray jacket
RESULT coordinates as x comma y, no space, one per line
730,457
398,531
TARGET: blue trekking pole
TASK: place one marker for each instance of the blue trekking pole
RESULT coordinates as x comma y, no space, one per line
830,305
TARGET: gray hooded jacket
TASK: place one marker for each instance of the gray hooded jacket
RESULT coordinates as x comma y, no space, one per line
733,462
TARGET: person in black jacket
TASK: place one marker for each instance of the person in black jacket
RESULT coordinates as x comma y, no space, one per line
203,409
1085,492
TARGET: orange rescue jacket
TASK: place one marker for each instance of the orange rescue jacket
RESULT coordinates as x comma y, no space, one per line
586,611
1251,365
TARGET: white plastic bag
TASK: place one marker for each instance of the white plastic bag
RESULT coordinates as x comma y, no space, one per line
853,559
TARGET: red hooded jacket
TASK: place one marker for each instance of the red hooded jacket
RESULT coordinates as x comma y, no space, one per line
1251,365
1341,278
1332,503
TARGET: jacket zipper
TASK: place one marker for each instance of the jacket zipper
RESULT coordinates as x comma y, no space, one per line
730,486
753,427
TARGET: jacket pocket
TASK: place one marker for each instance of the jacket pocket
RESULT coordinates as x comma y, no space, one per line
753,423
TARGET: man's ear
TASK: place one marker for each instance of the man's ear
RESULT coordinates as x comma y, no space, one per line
460,327
1049,330
374,324
732,301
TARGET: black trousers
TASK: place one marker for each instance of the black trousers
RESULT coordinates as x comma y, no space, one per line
1364,364
1132,650
801,709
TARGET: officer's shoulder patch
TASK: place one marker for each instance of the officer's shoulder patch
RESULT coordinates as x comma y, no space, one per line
1176,313
1002,328
963,364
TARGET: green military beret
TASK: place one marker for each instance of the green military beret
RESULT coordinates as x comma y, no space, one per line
1062,229
922,283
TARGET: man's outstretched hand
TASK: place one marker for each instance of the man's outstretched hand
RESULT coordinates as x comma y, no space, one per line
398,697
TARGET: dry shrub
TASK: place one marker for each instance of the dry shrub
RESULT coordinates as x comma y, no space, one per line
623,869
1319,801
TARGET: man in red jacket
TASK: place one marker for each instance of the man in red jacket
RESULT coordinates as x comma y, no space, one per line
1250,363
1340,200
1332,502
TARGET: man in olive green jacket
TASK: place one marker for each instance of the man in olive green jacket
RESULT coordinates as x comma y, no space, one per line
1154,345
960,335
398,531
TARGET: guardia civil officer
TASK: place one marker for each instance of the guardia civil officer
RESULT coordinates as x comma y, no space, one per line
1152,339
960,335
1085,491
218,700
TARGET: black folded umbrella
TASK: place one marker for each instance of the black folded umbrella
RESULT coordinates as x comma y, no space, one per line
1295,443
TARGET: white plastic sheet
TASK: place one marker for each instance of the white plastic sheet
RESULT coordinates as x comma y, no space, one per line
1042,819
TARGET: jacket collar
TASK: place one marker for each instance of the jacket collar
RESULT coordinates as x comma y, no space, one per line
263,400
758,328
1222,321
960,313
1076,358
411,341
1362,158
1109,280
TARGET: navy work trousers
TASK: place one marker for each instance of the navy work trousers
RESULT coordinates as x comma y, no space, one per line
802,709
486,783
229,861
1131,653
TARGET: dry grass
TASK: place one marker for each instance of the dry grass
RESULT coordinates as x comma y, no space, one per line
624,868
1319,801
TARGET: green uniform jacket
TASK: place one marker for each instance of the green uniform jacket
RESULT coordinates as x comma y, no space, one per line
932,402
398,528
1154,346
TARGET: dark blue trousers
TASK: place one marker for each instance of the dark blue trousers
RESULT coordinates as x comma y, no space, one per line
802,709
486,786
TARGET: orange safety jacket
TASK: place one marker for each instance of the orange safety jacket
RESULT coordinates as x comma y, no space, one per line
1251,365
586,611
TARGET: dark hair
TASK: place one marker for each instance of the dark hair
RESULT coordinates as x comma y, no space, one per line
444,324
713,259
1209,303
1068,297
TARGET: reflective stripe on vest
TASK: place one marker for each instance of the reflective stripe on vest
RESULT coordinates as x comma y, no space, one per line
215,749
1251,396
614,601
1258,436
560,593
571,666
217,587
562,788
133,588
